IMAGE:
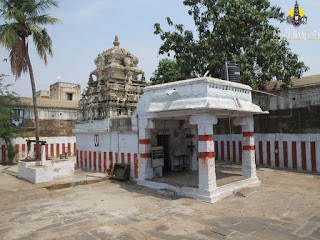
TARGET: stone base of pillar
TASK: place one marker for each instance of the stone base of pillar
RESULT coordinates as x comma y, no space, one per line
220,192
145,170
248,164
146,175
248,152
207,174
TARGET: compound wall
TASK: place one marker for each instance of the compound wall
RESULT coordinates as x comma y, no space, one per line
288,151
54,147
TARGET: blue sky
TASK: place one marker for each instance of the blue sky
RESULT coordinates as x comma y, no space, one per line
88,28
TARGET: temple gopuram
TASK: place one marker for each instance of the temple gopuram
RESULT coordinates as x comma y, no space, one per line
114,87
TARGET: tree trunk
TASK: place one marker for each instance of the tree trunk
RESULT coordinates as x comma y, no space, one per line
10,150
34,98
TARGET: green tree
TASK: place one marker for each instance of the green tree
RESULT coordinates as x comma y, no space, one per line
167,71
7,100
22,20
233,31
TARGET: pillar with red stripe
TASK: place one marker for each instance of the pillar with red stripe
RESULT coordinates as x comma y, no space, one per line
248,148
207,171
145,170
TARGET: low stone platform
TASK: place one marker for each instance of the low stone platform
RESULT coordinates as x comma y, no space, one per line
10,181
34,172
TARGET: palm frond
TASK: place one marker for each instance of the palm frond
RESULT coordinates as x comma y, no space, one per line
46,4
18,58
14,14
43,44
5,5
33,28
8,35
35,8
43,19
29,7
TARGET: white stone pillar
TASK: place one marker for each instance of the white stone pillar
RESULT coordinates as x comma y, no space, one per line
248,151
145,170
43,154
207,173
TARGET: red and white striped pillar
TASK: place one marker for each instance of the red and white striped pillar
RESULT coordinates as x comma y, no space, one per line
145,170
207,171
248,148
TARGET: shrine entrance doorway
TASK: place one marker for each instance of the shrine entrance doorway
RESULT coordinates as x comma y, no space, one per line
164,140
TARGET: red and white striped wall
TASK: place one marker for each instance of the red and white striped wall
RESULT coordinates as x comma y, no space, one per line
54,147
292,151
113,147
101,161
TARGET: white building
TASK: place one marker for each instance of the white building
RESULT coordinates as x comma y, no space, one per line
185,112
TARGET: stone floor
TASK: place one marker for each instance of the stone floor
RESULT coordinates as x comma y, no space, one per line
225,173
286,206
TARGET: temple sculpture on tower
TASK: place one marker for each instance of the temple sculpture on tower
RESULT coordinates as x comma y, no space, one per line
114,87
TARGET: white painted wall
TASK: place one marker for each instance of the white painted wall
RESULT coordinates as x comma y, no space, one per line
52,114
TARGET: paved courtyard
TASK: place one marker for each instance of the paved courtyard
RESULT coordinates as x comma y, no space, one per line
286,206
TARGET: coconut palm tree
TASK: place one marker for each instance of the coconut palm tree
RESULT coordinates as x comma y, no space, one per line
23,19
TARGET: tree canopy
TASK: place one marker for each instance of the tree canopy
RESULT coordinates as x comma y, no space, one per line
23,19
167,71
233,31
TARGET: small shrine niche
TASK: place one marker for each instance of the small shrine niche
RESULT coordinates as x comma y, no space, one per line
114,87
